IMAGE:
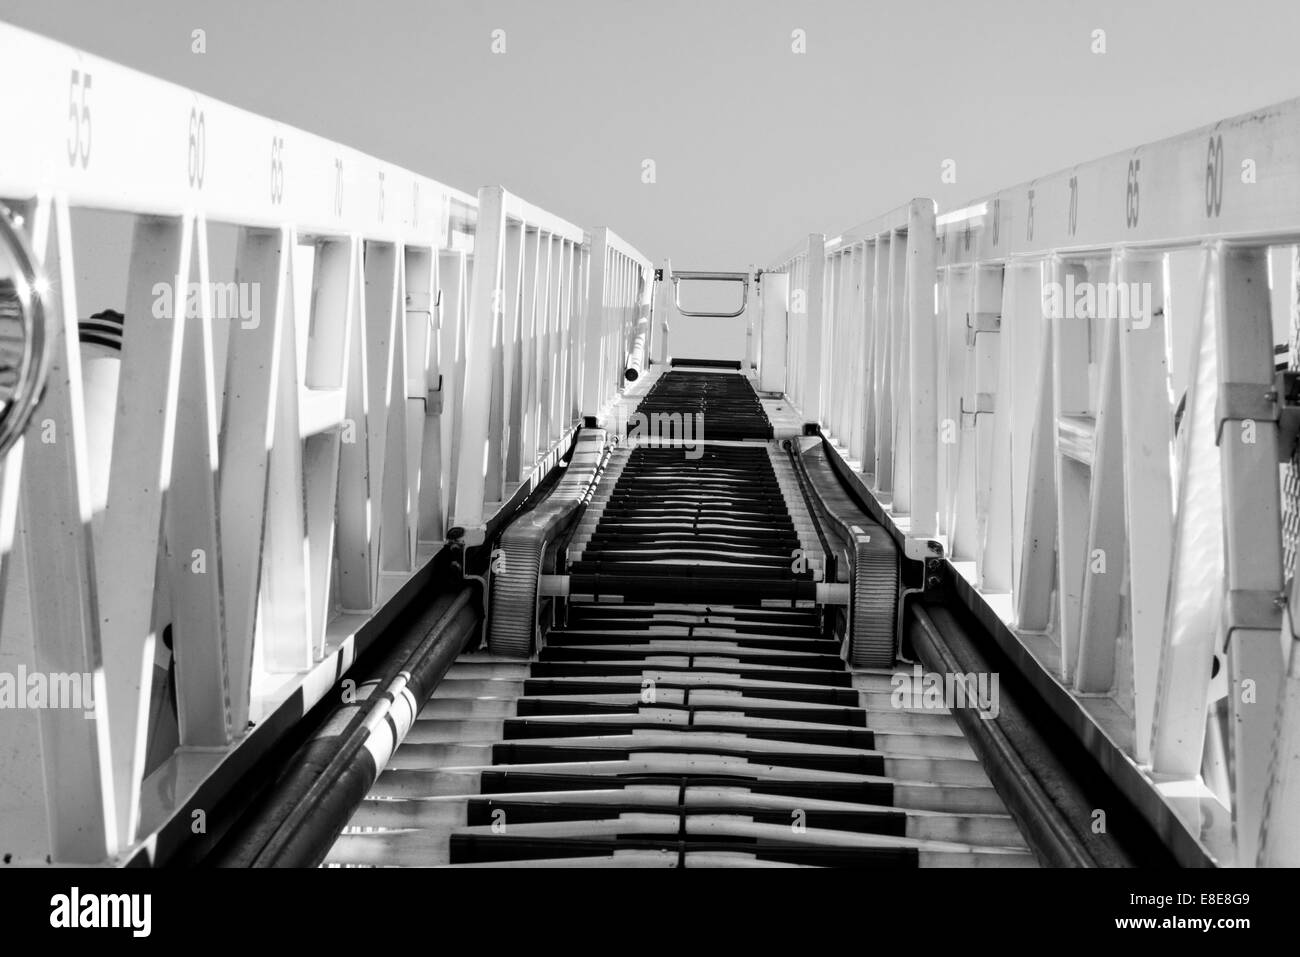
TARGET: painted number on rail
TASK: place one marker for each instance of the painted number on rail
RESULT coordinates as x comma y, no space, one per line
198,160
277,170
79,135
1214,177
1131,194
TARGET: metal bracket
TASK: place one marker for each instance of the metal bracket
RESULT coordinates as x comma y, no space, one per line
922,549
1255,401
1286,395
984,322
929,553
983,406
1293,606
1253,610
468,536
434,312
455,545
1242,401
433,402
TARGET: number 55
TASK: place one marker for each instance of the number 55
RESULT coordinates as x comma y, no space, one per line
79,119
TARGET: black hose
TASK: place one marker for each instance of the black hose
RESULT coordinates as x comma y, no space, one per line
330,775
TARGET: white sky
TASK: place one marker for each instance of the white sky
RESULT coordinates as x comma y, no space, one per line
754,145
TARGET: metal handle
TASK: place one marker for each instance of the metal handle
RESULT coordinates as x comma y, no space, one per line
740,277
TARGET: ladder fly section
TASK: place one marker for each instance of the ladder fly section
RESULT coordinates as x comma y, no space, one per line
310,371
690,705
1071,398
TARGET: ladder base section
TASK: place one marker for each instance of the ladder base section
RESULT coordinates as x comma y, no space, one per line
675,735
691,705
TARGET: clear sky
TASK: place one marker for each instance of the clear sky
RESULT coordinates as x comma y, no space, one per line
754,145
